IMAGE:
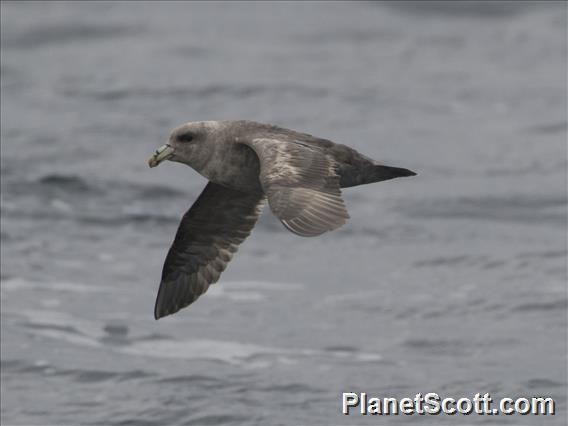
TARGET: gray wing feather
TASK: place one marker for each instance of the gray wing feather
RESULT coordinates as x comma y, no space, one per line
302,185
207,237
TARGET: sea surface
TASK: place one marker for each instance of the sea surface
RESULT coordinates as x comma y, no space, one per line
453,281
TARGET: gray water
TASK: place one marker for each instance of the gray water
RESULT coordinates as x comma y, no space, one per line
453,281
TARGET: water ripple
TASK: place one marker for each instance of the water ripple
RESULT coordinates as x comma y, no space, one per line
64,33
535,209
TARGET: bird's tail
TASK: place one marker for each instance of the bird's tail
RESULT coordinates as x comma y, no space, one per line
370,171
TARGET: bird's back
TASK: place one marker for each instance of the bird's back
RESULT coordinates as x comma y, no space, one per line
354,168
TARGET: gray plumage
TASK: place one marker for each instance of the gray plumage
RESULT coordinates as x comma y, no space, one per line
246,162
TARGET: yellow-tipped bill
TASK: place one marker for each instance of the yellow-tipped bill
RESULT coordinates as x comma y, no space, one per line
162,153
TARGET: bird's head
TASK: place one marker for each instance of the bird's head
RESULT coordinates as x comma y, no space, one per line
186,144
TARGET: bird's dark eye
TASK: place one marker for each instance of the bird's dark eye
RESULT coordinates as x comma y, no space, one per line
185,137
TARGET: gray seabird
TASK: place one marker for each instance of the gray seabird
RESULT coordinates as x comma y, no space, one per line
247,162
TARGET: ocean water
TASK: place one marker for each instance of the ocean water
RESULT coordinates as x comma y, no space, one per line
453,281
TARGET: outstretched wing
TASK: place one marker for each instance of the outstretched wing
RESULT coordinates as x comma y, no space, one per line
208,235
302,185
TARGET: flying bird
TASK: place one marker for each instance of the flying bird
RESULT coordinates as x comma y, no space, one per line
247,163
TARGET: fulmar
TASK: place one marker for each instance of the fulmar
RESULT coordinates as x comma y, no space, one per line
247,163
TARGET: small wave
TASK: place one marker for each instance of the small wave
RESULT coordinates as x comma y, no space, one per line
60,326
537,209
249,291
78,375
105,219
344,349
203,382
65,182
443,261
352,353
55,327
354,35
217,419
437,346
116,330
291,388
249,356
94,201
79,185
484,262
125,219
12,364
152,337
64,33
6,237
561,304
18,284
156,191
228,352
546,254
115,335
25,367
192,51
550,128
235,296
397,233
264,285
77,331
445,9
136,421
94,376
73,338
543,383
239,92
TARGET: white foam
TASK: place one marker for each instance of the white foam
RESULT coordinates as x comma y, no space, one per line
77,331
249,291
230,352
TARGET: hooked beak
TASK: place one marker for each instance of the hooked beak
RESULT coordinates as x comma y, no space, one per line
162,153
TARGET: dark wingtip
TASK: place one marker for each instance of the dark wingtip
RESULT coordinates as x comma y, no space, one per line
157,315
163,309
159,311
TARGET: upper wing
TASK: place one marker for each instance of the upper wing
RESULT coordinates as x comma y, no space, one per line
302,185
208,235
